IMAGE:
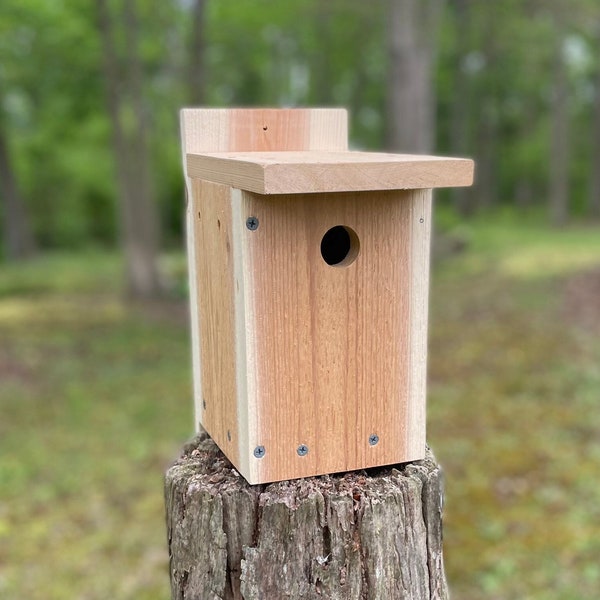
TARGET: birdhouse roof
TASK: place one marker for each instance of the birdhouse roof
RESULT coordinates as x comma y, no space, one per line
313,172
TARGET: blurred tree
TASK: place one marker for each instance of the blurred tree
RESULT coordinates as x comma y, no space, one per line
129,116
324,20
487,128
197,61
594,199
54,122
16,228
461,93
412,41
559,142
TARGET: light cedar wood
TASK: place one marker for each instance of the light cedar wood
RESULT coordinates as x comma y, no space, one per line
289,350
215,314
313,172
295,351
239,130
420,236
335,354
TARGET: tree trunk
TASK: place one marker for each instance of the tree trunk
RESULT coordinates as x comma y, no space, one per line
486,132
462,197
412,37
594,202
197,65
321,69
559,143
362,535
137,211
18,238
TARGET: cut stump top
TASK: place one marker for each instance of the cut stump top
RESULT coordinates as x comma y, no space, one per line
366,534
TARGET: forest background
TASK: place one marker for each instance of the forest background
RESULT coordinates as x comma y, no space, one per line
90,93
94,352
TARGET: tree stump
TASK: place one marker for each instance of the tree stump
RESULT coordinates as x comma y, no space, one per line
373,534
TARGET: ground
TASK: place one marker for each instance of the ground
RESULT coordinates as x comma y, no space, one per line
96,401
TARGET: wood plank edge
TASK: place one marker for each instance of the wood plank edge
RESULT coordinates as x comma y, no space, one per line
227,171
277,177
192,282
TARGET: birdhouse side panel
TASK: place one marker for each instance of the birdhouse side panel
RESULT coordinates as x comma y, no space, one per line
216,403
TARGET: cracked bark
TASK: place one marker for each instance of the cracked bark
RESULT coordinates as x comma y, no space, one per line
361,535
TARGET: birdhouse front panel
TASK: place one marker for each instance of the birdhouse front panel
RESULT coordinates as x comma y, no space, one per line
309,276
335,319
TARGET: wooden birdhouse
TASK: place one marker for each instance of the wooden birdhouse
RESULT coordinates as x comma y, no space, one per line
309,275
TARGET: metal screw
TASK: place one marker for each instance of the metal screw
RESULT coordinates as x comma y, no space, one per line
203,403
421,220
373,439
259,451
228,435
252,223
302,450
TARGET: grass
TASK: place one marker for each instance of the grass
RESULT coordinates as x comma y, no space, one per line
96,400
513,415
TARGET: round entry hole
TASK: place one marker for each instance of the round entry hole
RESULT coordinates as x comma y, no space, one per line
339,246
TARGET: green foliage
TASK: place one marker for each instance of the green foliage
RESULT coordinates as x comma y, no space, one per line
304,52
96,394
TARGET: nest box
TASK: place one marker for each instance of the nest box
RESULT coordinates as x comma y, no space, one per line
309,276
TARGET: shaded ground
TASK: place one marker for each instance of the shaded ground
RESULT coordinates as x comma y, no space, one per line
514,416
96,401
582,300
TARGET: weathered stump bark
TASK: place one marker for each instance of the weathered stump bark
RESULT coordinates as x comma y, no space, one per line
373,534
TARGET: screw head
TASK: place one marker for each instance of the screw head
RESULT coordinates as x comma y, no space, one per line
373,439
302,450
228,435
203,403
421,220
252,223
259,451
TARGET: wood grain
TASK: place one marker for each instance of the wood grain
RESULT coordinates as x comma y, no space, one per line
310,172
334,353
216,314
420,221
264,129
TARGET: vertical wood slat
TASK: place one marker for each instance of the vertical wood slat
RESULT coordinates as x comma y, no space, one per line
420,236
